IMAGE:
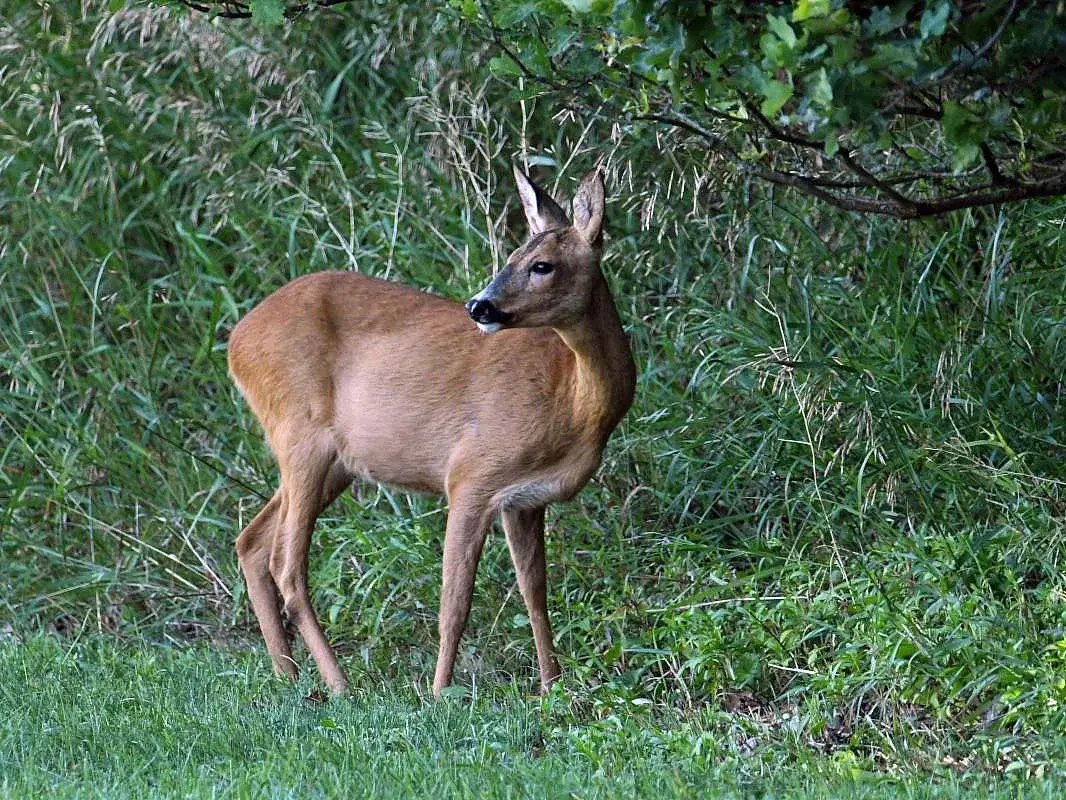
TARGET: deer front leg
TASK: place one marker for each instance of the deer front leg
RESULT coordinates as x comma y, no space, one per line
525,538
464,536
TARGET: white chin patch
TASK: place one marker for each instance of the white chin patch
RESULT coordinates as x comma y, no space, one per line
491,327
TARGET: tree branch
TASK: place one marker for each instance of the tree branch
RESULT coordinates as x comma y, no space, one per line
998,178
843,155
497,38
871,180
679,120
237,9
779,133
971,197
849,202
982,50
1001,190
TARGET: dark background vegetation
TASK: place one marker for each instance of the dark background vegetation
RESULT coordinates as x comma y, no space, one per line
834,512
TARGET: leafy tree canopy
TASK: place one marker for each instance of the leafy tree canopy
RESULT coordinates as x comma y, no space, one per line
910,108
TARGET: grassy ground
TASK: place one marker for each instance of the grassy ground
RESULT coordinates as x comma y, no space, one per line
91,719
834,513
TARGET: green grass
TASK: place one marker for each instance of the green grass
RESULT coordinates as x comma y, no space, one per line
835,510
102,719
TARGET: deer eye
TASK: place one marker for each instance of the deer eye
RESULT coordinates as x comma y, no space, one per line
541,268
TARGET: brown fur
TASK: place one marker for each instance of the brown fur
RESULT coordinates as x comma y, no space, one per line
352,376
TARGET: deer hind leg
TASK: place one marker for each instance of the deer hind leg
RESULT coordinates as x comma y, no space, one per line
253,551
525,539
468,523
311,478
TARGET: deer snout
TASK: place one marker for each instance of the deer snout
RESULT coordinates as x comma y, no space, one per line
487,316
483,311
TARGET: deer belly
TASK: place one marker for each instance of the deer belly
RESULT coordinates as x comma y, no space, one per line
384,439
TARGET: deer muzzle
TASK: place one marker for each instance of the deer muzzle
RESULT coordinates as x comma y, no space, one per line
487,316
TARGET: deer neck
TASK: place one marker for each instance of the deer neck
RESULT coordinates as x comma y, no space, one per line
604,374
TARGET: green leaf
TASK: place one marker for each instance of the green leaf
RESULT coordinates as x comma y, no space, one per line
964,155
561,40
776,94
806,9
885,20
831,23
935,20
900,59
267,13
511,14
962,129
960,125
832,146
783,30
503,67
819,89
776,51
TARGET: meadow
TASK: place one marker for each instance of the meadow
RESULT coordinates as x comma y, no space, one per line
823,554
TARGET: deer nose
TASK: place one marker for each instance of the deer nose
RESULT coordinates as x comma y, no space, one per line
484,311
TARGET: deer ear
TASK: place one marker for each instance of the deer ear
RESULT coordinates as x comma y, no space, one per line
542,213
588,208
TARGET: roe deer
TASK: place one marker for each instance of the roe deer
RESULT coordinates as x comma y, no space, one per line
351,376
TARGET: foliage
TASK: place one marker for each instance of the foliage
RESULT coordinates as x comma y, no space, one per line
907,108
910,109
832,518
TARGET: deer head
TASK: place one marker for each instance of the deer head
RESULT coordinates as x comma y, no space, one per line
550,280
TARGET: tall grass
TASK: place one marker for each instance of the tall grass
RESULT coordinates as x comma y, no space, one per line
835,506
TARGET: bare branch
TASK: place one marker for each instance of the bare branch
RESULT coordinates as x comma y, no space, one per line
982,50
237,9
843,155
917,111
679,120
849,202
971,197
998,178
779,133
871,180
241,11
